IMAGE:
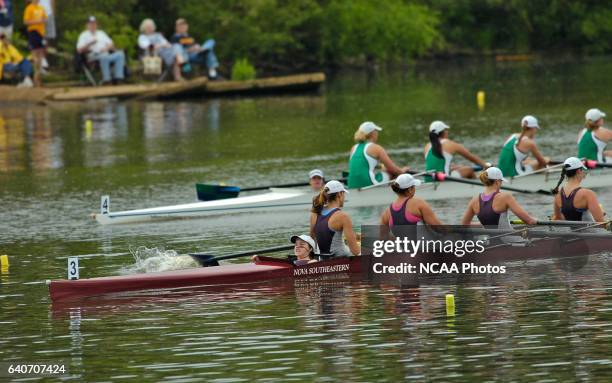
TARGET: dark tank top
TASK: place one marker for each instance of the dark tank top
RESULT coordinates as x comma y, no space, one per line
487,216
570,212
323,234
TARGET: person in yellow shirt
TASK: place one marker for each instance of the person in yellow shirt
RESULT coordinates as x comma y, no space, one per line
11,61
35,17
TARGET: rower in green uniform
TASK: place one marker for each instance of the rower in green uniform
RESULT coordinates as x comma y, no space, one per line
513,159
440,150
594,137
365,156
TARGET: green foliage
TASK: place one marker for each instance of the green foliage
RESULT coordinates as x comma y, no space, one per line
280,35
242,70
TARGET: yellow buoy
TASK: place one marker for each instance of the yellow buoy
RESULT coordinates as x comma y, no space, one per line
4,262
450,305
88,128
480,99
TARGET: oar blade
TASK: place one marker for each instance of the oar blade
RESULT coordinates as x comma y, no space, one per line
209,192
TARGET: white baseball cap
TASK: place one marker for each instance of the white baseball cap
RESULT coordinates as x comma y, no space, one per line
530,122
494,173
335,187
405,181
594,114
308,239
316,173
438,127
368,127
573,163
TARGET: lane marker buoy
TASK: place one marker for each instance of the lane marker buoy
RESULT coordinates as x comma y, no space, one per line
450,305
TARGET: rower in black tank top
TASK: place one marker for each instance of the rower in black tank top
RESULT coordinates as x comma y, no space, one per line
487,216
569,211
323,234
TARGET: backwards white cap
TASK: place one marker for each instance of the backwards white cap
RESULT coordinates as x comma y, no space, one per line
335,187
494,173
573,163
368,127
308,239
530,122
405,181
316,173
438,127
594,114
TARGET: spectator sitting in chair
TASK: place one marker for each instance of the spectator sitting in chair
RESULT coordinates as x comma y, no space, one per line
99,47
197,54
154,43
11,61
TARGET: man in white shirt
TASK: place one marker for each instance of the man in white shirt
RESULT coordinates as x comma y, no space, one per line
99,47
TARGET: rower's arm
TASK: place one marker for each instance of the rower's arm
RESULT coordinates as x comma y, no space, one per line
519,211
538,156
390,166
429,217
384,225
557,215
313,221
349,233
604,134
469,214
465,153
594,206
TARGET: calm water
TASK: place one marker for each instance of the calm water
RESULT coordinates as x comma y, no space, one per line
539,323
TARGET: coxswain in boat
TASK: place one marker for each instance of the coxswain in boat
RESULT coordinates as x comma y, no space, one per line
573,202
514,157
593,139
440,150
305,250
316,180
365,157
491,207
407,209
328,223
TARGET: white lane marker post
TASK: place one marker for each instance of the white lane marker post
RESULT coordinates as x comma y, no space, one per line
73,268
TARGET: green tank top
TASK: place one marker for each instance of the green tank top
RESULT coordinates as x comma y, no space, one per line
361,171
507,158
587,147
433,162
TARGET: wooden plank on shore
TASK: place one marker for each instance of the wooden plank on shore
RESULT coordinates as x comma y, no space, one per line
118,91
270,83
197,86
175,89
11,93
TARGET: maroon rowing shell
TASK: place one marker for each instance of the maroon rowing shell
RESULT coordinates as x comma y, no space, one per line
226,274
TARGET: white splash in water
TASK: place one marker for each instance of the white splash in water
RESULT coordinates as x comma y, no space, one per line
150,260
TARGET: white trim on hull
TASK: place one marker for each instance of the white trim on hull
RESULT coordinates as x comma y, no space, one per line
301,198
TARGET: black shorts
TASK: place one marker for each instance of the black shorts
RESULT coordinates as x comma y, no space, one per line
35,40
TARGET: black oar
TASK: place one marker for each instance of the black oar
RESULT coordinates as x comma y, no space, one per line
209,192
476,183
553,223
211,260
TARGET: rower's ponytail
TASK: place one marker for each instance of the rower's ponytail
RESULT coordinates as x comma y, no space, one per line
319,201
484,178
590,125
323,198
436,145
564,174
555,191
